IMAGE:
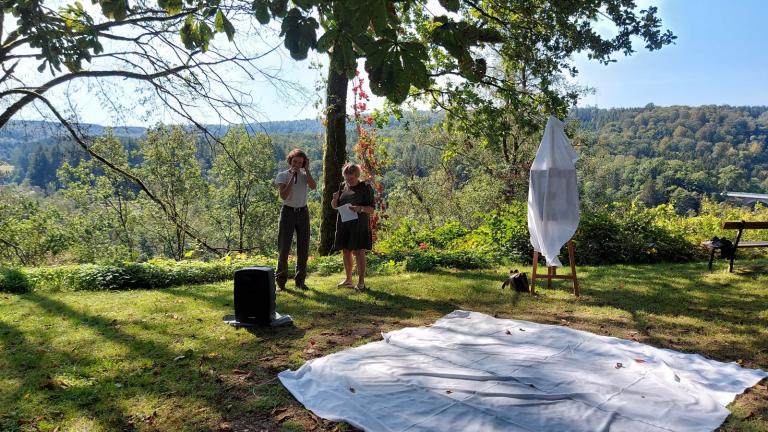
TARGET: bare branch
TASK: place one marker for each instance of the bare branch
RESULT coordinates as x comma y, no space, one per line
168,212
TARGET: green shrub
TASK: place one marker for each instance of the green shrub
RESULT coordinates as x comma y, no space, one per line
630,235
13,280
381,265
326,265
152,274
420,262
600,239
505,233
426,260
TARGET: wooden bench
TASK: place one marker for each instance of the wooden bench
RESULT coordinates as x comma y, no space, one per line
741,226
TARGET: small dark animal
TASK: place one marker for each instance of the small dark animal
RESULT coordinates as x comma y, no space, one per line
516,280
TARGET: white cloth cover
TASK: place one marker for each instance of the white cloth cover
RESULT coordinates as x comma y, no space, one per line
473,372
553,198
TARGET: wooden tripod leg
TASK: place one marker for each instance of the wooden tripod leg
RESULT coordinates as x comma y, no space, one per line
572,260
533,274
550,271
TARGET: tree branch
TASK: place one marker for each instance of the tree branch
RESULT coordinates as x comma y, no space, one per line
168,212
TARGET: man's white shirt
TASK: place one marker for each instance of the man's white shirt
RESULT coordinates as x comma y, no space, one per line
298,195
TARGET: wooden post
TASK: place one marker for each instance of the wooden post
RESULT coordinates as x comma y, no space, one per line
533,274
572,261
552,271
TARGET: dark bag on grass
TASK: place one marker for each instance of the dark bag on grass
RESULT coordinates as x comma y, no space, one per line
725,245
520,281
517,280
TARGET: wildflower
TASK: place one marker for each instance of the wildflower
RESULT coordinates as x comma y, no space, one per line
423,246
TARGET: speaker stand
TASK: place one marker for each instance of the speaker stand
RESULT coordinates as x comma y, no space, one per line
277,321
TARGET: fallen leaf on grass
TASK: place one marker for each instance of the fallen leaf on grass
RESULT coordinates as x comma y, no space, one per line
151,418
283,417
225,427
239,372
54,384
639,360
508,332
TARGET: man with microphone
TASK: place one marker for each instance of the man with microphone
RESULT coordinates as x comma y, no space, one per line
294,217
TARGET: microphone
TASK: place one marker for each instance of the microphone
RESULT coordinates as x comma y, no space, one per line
295,177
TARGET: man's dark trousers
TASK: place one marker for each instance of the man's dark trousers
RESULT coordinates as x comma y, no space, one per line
292,219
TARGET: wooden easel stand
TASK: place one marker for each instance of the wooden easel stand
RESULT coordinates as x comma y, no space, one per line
552,271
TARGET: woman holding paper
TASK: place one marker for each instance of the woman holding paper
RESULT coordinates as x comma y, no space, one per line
354,201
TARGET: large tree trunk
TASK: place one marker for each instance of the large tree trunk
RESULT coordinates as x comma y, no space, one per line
334,153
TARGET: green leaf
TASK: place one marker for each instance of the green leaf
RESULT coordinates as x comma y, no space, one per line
219,21
416,70
278,7
187,32
304,4
205,34
229,29
261,11
364,41
450,5
172,7
222,24
379,15
326,40
300,33
114,9
350,67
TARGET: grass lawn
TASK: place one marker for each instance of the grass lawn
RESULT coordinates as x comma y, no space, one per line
164,360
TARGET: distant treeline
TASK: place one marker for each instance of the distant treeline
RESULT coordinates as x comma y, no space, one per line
653,155
675,154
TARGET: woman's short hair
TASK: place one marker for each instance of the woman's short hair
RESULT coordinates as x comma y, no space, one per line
350,169
293,153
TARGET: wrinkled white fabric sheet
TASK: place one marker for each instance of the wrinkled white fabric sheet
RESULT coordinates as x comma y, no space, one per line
553,196
472,372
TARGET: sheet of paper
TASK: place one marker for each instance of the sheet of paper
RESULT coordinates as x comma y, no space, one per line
346,213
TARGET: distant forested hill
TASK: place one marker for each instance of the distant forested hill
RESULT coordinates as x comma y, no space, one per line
653,154
675,154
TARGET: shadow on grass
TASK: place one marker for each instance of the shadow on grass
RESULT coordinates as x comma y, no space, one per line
171,374
684,304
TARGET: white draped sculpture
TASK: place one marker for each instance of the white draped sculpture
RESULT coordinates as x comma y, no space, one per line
553,199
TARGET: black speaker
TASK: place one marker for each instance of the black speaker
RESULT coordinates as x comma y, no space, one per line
255,295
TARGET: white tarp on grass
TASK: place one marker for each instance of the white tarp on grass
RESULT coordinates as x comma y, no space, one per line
473,372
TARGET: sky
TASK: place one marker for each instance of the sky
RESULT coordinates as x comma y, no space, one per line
719,57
